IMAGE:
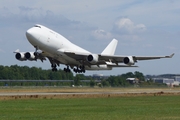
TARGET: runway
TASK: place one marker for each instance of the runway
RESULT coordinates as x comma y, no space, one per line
61,92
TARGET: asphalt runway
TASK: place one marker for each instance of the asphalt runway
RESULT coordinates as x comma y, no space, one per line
130,91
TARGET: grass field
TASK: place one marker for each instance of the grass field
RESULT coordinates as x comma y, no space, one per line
109,108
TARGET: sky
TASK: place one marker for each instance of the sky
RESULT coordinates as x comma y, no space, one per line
142,28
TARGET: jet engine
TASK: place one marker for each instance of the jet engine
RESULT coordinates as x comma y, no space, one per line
30,56
129,60
92,58
20,56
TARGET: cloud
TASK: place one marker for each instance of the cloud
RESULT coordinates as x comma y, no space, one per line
126,26
31,13
171,48
79,22
123,29
34,15
101,34
147,45
2,51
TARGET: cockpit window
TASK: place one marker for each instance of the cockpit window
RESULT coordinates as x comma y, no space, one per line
37,26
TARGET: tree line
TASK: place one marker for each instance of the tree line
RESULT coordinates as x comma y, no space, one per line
15,72
120,80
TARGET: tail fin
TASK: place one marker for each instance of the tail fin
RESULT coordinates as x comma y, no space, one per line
110,49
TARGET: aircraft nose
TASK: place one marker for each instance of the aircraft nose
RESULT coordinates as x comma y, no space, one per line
32,34
29,33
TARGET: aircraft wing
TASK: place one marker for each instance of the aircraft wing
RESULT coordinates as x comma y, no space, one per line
77,56
102,59
82,57
116,58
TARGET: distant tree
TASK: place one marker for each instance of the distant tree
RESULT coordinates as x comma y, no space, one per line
77,79
92,83
139,75
111,80
105,83
122,81
15,72
4,72
128,75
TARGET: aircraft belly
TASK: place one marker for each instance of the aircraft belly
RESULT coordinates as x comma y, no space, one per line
100,67
67,60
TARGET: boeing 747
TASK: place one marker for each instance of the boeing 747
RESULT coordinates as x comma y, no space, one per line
59,50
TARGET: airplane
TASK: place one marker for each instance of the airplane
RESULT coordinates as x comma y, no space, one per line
59,50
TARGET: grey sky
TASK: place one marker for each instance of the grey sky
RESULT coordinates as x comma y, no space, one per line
141,27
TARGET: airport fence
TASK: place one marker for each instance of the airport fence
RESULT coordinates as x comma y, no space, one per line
70,83
41,82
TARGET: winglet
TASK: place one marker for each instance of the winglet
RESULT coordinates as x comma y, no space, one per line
170,56
16,51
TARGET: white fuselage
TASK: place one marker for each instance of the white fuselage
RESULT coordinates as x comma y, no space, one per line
54,45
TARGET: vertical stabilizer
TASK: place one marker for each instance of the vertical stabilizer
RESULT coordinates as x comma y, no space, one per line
110,49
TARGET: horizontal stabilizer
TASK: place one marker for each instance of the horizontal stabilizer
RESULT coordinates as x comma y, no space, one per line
16,51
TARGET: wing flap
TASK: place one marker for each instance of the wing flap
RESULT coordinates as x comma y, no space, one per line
118,65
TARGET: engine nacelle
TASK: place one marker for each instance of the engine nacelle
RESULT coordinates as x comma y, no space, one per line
92,58
20,56
129,60
30,56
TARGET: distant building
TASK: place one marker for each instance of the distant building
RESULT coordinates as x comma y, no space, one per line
133,80
98,76
167,81
172,76
163,80
177,78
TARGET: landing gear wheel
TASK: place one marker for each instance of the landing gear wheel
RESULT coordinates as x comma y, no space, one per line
53,65
67,70
80,69
54,69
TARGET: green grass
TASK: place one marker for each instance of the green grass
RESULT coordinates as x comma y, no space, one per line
113,108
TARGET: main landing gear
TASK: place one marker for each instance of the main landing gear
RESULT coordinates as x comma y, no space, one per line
54,64
54,67
79,69
67,70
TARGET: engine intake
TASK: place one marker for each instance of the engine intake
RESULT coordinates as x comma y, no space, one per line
20,56
30,56
128,60
92,58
